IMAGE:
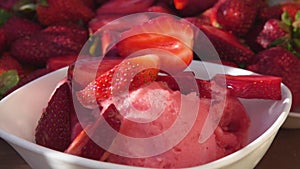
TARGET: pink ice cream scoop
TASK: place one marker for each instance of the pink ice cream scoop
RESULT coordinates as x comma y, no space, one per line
163,128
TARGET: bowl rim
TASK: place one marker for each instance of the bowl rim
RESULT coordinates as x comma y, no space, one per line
227,160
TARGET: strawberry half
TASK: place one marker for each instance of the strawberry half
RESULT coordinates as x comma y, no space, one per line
129,74
252,86
160,36
54,127
85,69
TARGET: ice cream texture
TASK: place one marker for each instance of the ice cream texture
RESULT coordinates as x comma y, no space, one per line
175,142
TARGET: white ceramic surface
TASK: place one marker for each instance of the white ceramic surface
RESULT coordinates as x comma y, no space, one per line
20,111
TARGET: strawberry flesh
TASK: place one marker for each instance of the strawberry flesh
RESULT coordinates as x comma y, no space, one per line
160,36
252,86
129,74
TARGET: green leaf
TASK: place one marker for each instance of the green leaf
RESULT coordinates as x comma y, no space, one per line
4,16
296,42
8,79
297,16
279,42
43,2
286,18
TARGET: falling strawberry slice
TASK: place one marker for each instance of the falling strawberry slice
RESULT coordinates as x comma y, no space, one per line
161,36
130,74
252,86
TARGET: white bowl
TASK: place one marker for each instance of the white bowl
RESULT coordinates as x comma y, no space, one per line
20,111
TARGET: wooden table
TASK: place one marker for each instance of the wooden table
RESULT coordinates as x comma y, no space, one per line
284,153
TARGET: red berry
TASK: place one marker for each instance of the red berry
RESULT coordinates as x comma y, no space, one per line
130,74
161,34
280,62
237,16
51,12
54,127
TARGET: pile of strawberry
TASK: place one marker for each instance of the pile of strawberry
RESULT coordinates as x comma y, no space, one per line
59,127
39,36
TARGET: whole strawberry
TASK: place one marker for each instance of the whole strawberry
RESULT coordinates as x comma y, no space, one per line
58,40
227,45
273,30
18,27
278,61
236,16
51,12
274,11
54,127
7,62
10,72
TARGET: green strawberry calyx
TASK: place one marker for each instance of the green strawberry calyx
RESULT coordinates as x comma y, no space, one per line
8,80
291,41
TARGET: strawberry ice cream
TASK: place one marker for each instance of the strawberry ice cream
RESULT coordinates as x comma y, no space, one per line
171,139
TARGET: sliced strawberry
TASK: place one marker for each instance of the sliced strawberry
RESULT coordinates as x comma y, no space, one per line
130,74
54,127
252,86
160,36
86,143
58,62
86,69
227,45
